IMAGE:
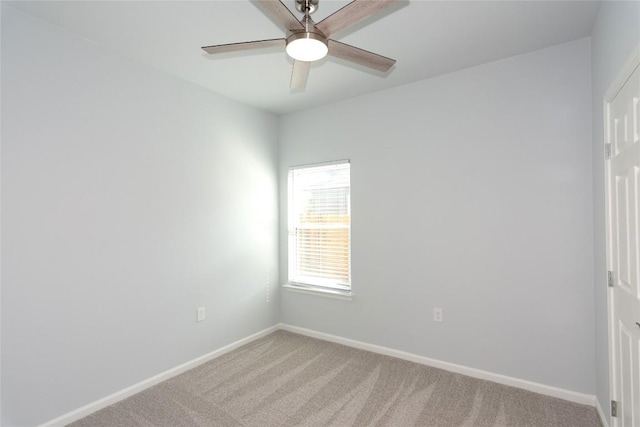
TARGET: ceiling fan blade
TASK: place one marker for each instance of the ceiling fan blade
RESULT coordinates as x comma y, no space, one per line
278,11
351,14
299,74
235,47
360,56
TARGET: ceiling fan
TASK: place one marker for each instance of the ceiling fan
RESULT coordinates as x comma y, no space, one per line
307,41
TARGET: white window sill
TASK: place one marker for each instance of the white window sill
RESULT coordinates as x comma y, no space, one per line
330,293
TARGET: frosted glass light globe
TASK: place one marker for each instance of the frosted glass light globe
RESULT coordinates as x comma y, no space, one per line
306,47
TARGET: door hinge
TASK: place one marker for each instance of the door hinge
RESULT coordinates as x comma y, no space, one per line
607,151
610,278
614,408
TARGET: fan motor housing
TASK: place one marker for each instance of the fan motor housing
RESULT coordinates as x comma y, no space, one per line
307,35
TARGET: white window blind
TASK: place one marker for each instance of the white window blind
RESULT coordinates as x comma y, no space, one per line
320,226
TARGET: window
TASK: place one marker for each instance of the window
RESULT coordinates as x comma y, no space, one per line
320,227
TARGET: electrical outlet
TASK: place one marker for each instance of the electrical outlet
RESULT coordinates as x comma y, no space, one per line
201,314
437,315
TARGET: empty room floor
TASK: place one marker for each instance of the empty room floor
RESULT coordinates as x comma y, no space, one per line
286,379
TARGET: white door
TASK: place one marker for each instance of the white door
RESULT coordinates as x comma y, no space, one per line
623,196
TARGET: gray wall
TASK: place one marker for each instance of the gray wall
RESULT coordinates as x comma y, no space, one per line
615,34
129,198
472,192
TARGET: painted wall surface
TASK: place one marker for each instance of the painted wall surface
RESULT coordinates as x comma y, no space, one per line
615,34
129,198
471,192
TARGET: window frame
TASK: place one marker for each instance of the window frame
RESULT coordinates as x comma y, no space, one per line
316,285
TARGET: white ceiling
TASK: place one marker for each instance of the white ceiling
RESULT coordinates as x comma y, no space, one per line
427,38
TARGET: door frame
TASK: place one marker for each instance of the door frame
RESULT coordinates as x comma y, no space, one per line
621,78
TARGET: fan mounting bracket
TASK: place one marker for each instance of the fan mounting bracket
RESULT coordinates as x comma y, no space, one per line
306,6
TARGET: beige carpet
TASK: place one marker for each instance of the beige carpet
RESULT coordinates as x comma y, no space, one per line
286,379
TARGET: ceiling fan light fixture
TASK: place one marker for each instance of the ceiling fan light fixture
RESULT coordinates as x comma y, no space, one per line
307,46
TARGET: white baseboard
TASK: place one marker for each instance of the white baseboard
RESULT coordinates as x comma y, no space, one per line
572,396
86,410
603,418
